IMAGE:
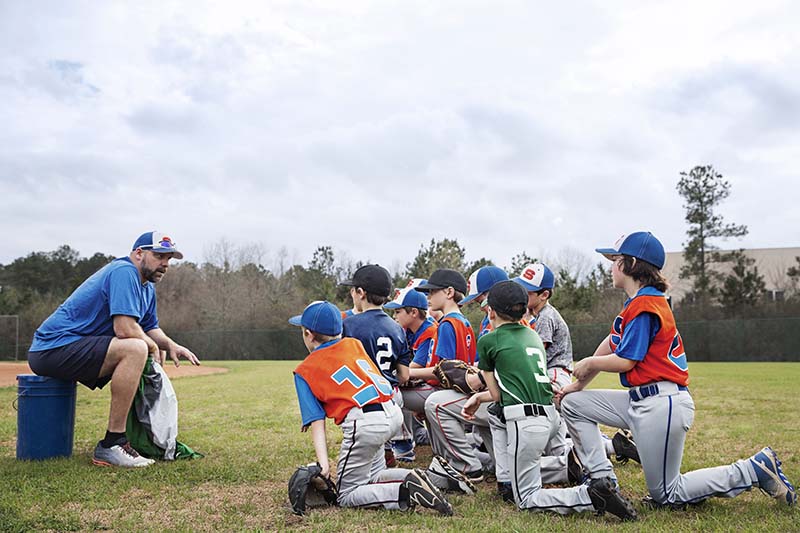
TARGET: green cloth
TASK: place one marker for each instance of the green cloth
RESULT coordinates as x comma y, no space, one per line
517,357
137,433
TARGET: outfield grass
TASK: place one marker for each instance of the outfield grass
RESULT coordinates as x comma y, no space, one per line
246,422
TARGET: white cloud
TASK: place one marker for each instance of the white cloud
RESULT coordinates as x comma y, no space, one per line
374,126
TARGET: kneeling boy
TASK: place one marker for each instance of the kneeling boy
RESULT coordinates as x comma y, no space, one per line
338,380
513,362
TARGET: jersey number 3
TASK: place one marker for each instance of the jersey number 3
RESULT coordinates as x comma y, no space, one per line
541,367
366,391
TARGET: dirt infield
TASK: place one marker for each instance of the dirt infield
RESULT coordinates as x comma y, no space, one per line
9,371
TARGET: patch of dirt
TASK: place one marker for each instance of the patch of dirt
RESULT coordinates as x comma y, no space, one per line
9,371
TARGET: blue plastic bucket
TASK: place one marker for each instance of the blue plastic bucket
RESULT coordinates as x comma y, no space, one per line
45,417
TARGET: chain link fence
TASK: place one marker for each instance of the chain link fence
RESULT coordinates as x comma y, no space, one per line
757,339
762,339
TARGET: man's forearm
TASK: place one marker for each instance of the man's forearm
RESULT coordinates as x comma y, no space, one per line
128,328
160,338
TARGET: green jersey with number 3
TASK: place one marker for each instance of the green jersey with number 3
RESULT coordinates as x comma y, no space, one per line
516,356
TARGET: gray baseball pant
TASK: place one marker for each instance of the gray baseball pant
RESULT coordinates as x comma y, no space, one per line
363,479
659,424
558,444
446,429
527,437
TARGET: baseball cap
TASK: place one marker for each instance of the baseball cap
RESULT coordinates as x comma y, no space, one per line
443,278
156,241
508,298
482,280
320,317
641,245
372,278
536,277
407,297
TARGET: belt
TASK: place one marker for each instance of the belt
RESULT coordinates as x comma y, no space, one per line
525,409
372,408
643,391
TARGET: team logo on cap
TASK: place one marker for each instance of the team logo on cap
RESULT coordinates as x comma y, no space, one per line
533,273
619,242
166,242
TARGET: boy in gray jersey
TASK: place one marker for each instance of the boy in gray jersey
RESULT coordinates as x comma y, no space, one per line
512,360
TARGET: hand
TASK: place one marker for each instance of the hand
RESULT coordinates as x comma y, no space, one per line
160,356
572,387
583,369
326,468
176,351
468,411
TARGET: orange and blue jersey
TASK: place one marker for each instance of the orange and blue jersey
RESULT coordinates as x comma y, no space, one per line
454,340
645,332
486,326
348,313
336,377
422,340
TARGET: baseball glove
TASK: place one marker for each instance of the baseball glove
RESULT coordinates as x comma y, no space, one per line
452,374
307,486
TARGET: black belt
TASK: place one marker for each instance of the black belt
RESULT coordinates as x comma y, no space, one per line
534,409
644,391
372,408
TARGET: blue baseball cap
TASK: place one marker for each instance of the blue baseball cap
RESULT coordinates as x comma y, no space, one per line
536,277
320,317
409,297
158,242
482,280
641,245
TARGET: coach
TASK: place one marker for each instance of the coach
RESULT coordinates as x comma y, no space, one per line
105,330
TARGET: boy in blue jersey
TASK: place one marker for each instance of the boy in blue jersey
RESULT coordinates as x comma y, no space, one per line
383,339
105,331
410,312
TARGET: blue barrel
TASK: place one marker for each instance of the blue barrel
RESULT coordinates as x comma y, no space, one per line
45,417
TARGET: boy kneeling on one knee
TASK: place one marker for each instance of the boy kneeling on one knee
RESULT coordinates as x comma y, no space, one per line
513,361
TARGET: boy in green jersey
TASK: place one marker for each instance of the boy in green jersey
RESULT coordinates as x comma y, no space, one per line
513,361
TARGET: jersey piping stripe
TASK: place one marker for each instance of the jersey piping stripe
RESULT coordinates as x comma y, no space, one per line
500,384
516,466
666,451
444,434
346,457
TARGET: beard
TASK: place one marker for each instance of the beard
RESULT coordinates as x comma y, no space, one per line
153,276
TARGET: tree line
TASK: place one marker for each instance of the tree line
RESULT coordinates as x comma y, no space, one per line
240,288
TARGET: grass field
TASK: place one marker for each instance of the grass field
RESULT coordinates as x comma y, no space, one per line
246,422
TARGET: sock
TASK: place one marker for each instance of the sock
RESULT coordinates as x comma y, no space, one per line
113,439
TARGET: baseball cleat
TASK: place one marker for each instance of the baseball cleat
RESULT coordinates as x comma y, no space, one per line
476,476
624,447
119,455
422,492
771,478
575,472
404,451
505,491
606,498
454,480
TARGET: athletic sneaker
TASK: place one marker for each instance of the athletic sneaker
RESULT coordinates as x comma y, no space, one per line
505,491
455,481
119,455
575,472
624,447
422,492
404,450
606,498
476,476
771,478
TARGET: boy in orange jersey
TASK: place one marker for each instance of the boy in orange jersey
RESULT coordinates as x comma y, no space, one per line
454,340
339,380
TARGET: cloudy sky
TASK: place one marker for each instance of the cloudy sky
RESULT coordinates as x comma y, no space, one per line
375,126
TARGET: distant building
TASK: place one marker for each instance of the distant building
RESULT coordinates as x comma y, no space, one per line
772,264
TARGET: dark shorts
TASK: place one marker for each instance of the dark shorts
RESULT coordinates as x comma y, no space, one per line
78,361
